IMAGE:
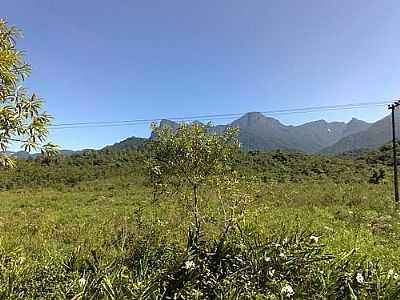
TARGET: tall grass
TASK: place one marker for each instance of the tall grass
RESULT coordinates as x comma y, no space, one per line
107,237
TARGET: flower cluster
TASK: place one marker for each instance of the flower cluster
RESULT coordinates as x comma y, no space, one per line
287,291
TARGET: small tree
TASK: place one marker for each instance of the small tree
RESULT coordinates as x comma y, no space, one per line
21,117
377,176
189,157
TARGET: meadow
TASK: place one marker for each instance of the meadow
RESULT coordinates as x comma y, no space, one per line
90,226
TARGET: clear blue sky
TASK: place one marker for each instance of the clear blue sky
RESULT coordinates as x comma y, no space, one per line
97,60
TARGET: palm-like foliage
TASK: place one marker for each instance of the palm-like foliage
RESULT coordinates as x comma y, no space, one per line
21,117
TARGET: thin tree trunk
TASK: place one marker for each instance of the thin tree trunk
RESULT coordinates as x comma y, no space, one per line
196,209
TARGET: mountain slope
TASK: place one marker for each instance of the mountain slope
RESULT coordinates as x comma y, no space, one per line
129,143
374,136
355,126
260,132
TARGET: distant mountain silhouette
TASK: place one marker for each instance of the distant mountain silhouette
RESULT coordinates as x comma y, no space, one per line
258,132
376,135
129,143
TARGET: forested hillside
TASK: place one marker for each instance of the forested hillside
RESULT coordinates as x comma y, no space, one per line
279,165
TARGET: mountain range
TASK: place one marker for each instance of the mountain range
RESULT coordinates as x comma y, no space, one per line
376,135
259,132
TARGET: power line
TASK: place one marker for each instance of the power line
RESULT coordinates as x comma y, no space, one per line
134,122
305,109
209,117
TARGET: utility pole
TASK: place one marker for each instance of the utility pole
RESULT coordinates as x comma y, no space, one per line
392,107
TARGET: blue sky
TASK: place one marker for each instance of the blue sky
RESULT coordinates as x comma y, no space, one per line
97,60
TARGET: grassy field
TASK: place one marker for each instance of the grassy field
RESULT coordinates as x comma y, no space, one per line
103,235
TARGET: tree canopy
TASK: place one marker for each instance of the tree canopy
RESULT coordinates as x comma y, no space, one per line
189,157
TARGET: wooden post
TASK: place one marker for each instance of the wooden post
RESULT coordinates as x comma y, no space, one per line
392,107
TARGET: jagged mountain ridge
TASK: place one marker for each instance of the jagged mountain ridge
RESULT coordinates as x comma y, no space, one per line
376,135
265,133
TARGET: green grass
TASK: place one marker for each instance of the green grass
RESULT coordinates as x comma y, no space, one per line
67,218
42,226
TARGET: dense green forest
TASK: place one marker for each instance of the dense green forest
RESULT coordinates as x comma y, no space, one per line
279,165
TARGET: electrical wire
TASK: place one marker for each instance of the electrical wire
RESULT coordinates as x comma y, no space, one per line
211,117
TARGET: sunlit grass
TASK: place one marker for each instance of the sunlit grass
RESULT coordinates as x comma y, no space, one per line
117,217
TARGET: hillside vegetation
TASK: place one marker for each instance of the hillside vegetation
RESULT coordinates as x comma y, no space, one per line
382,155
279,166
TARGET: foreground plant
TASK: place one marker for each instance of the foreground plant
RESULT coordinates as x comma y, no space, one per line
21,117
188,158
289,265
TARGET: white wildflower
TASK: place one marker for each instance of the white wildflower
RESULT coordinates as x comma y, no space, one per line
82,281
285,241
189,265
271,273
390,273
268,259
157,170
22,259
359,278
282,255
314,238
287,291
